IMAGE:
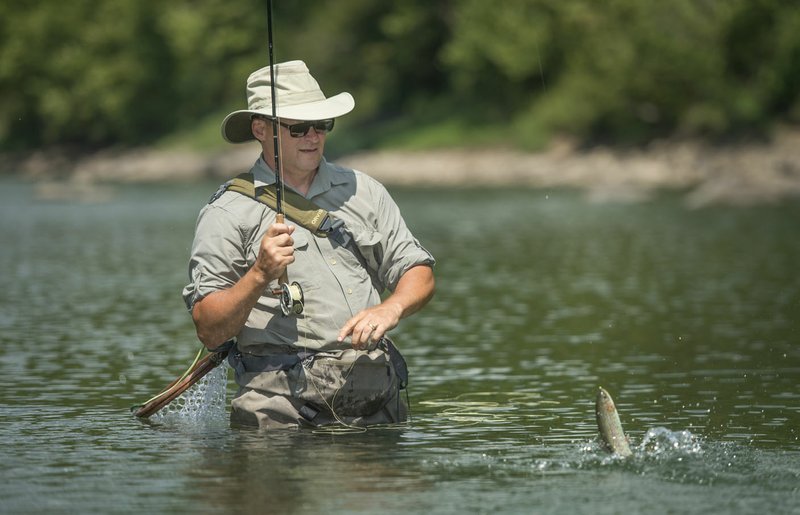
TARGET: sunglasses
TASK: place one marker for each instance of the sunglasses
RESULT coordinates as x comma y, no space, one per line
298,130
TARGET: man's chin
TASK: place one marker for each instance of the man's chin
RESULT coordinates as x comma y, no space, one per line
309,160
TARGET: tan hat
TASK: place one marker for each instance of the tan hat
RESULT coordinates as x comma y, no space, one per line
299,98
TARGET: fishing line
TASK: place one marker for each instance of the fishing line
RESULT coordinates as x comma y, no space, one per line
348,427
541,70
291,296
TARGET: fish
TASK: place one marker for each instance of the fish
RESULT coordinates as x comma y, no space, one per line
609,425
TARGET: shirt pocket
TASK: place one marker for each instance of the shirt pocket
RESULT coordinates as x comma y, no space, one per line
303,262
364,252
364,248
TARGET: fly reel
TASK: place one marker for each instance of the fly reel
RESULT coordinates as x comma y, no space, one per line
291,299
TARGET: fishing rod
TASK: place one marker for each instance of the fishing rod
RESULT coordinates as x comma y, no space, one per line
291,295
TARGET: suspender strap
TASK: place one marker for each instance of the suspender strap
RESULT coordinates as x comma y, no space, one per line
298,209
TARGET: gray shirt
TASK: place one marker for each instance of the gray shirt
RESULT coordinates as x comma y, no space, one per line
340,276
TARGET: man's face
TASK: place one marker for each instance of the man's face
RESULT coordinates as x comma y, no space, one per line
299,155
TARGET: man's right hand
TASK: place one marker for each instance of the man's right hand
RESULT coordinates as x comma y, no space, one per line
276,251
219,316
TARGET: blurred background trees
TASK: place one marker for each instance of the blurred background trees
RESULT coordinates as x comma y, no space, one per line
423,72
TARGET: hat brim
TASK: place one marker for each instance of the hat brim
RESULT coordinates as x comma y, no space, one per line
236,126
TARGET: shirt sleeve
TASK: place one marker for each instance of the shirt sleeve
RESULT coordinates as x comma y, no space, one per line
219,254
401,250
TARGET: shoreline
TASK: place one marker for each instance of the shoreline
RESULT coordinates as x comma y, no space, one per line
744,174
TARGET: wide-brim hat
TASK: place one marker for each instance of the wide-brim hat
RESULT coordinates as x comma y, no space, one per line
298,94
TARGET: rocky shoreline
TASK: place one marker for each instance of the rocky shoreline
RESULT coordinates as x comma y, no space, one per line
745,174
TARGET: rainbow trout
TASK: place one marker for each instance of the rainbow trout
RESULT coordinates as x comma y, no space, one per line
609,425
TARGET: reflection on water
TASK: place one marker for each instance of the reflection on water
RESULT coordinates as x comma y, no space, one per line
688,317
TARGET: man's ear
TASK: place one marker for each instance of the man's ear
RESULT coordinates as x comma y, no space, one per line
260,129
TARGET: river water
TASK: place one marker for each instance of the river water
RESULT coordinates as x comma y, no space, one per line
688,317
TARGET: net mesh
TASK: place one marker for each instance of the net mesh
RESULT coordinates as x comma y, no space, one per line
205,401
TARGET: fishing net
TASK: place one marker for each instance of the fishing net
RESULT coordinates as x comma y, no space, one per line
204,401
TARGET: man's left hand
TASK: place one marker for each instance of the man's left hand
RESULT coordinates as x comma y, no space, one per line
414,290
369,326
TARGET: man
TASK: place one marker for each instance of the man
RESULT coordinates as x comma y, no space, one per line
332,362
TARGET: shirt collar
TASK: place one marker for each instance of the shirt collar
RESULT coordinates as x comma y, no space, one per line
262,174
325,179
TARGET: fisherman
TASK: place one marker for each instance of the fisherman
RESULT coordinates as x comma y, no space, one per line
330,360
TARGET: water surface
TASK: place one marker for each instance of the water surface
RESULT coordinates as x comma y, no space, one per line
688,317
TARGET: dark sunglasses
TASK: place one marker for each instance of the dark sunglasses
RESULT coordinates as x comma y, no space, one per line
298,130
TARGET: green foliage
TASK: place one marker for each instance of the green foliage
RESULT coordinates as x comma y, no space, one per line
423,72
85,72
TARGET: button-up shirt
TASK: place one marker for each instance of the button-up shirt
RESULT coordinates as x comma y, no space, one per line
340,275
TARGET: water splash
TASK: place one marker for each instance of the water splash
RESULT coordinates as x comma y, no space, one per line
658,445
660,441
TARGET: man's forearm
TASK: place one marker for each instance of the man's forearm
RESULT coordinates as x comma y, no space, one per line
414,289
220,316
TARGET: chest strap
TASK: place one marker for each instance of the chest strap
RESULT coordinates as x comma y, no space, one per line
297,208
